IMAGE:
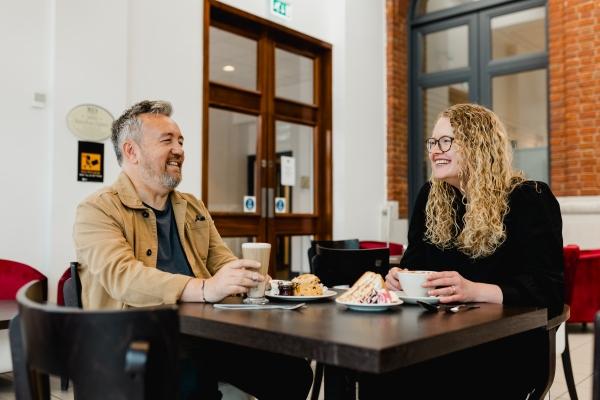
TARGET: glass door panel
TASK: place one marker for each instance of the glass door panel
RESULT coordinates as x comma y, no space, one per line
294,76
235,243
517,33
521,101
233,59
436,100
232,159
428,6
294,149
292,255
441,52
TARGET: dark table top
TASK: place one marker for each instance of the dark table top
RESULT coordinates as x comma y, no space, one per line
363,341
8,309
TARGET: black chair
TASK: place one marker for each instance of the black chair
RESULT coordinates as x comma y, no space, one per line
72,297
72,287
344,266
596,378
125,354
332,244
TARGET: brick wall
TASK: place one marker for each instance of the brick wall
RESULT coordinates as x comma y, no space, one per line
397,103
574,54
574,98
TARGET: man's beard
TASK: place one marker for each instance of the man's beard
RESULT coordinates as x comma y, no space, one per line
163,179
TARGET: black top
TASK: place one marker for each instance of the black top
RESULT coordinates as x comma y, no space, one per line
171,257
528,266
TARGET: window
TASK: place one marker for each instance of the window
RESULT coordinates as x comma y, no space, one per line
489,52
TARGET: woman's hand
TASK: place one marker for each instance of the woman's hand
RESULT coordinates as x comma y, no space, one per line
391,279
451,287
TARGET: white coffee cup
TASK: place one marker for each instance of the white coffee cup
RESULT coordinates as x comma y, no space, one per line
411,282
258,252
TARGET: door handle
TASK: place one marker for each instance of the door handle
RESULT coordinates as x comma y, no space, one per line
263,202
271,195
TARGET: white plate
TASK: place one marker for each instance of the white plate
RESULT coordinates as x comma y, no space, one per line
413,300
368,307
326,294
341,287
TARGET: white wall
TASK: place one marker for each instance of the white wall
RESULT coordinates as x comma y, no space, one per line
25,136
581,221
114,53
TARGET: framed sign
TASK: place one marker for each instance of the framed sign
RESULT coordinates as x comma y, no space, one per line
90,122
90,162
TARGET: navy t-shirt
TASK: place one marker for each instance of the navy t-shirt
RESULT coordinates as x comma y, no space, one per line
171,257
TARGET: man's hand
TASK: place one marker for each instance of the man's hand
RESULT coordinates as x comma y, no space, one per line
233,278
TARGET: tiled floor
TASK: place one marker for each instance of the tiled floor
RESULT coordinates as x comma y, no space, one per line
582,350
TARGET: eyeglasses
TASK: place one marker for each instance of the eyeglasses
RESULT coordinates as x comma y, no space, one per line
444,143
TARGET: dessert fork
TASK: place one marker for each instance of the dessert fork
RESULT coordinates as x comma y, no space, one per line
447,308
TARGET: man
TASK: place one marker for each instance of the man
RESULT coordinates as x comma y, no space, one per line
142,243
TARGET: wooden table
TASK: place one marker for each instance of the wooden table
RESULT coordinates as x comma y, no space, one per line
360,341
8,309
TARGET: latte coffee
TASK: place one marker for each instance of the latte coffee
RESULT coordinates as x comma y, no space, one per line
258,252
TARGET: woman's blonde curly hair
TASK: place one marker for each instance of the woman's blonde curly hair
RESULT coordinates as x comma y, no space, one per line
486,179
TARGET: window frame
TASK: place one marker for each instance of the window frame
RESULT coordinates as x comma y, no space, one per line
479,74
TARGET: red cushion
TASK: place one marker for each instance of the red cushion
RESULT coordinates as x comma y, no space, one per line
13,275
60,298
570,257
396,249
590,251
585,300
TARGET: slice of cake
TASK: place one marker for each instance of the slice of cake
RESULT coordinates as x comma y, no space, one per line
365,290
307,285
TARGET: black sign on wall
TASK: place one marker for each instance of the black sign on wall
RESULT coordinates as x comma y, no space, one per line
90,162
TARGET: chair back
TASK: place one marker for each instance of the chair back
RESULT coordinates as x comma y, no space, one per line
596,376
124,354
396,249
345,266
332,244
14,274
72,287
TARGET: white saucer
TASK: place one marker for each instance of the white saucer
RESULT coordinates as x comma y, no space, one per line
368,307
326,294
413,300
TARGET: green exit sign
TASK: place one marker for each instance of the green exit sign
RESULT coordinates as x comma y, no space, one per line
281,8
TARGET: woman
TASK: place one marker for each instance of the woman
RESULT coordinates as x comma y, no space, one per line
494,237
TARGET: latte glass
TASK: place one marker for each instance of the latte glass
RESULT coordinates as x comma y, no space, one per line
258,252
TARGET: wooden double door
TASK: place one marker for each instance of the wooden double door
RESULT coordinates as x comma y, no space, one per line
267,168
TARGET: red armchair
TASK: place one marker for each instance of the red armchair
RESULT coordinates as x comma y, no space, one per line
582,283
396,249
13,275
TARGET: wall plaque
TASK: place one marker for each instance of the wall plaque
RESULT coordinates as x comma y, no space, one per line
90,122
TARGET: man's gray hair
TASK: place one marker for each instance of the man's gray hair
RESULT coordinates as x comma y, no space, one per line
129,126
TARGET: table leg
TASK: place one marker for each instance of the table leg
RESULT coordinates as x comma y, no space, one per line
340,383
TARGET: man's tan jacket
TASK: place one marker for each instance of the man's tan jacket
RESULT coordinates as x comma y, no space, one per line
117,247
